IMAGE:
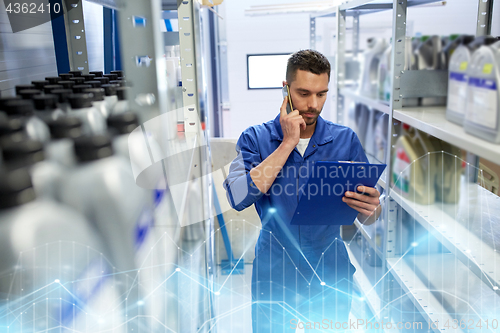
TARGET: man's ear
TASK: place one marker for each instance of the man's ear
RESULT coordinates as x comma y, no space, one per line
285,83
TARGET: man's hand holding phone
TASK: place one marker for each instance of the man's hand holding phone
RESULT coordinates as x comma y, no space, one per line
291,124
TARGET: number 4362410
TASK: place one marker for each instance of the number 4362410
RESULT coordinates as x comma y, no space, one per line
32,8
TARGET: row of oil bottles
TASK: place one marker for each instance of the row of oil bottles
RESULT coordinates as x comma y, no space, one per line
84,249
473,66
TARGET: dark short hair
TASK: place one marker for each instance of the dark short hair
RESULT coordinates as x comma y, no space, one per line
307,60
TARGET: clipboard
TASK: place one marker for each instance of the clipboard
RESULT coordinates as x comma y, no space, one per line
320,200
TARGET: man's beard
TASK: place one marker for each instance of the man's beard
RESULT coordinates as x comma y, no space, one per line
310,121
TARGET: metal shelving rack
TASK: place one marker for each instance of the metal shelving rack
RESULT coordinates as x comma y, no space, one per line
183,158
454,237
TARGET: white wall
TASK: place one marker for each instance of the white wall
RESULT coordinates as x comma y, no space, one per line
261,34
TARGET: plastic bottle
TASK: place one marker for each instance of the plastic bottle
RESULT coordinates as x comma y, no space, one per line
76,73
24,87
29,93
35,128
119,74
457,80
88,77
93,120
48,88
112,77
63,95
102,80
77,80
122,104
428,57
65,76
79,88
61,148
362,119
46,107
384,73
53,79
413,173
98,100
122,212
96,73
53,260
373,53
30,154
39,85
94,83
111,98
67,84
129,143
482,116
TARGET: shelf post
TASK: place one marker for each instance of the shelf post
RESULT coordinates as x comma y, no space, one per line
484,17
355,35
312,29
76,36
340,63
189,64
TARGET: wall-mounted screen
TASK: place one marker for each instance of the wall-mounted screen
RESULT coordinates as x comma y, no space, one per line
266,71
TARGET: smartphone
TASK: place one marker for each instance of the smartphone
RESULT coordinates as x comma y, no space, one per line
286,94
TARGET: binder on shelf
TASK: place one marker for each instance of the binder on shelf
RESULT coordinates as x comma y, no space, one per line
320,200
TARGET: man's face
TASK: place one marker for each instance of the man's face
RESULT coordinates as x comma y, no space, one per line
308,93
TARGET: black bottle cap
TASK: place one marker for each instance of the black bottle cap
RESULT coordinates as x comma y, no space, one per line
23,153
88,77
80,88
65,128
11,127
29,93
118,73
40,84
3,100
91,148
24,87
109,89
62,94
48,89
53,79
77,80
16,188
119,83
103,80
111,76
65,76
80,101
18,107
76,73
45,102
96,73
123,123
96,94
122,93
67,84
94,83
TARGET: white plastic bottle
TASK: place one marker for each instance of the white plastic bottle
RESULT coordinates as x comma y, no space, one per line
369,70
428,57
122,104
102,187
61,148
30,154
93,120
35,128
482,116
458,79
55,267
111,98
97,95
46,107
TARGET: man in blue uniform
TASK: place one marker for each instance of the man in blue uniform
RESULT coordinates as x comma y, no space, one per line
302,275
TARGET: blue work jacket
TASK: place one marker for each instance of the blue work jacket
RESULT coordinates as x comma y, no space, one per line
291,257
